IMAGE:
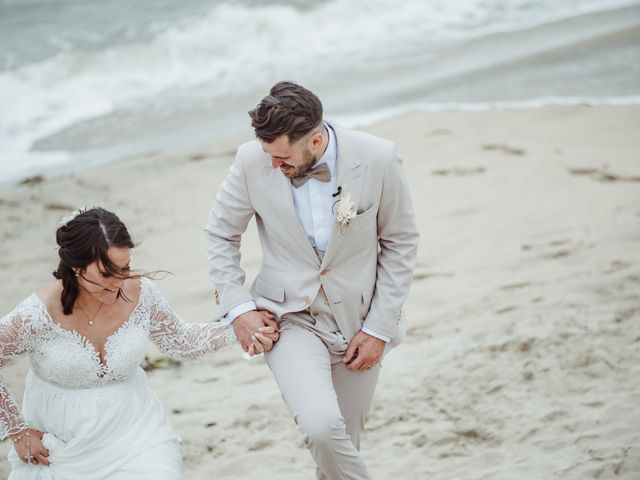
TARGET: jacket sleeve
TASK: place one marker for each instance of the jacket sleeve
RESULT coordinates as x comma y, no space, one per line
228,220
398,239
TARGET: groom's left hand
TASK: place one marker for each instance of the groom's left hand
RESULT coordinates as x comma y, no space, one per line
364,352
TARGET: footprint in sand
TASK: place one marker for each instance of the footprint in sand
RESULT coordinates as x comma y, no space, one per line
260,444
59,206
506,149
198,157
420,441
555,243
438,132
558,254
424,275
617,265
92,185
627,314
602,175
507,309
513,286
459,171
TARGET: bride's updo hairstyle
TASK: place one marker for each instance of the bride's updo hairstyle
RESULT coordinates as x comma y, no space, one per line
83,238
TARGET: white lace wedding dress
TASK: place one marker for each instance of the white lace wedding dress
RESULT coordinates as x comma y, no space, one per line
102,420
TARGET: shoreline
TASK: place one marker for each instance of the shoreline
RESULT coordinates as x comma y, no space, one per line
535,66
225,147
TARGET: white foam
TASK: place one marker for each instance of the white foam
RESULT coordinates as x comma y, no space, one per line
237,49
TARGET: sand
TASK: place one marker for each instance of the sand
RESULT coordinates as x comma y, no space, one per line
523,353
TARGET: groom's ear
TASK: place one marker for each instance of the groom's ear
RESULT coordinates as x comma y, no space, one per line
316,139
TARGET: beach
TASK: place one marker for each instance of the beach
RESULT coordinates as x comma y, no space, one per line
522,358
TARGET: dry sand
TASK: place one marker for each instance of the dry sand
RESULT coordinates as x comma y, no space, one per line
523,354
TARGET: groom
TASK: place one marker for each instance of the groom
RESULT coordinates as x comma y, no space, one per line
339,243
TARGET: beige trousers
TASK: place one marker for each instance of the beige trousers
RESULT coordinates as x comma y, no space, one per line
329,402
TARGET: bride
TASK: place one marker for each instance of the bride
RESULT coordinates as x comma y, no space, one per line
88,412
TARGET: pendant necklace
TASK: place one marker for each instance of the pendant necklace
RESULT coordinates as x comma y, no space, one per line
91,320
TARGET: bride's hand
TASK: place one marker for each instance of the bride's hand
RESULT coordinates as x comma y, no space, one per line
270,329
262,341
30,448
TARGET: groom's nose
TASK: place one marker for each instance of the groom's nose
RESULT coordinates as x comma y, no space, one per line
275,163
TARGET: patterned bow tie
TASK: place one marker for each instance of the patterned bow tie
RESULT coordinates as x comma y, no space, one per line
321,172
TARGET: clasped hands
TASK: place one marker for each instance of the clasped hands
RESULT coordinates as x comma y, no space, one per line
257,331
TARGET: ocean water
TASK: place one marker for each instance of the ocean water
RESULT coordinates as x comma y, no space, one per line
83,82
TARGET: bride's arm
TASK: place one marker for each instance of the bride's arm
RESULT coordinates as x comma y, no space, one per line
177,338
15,339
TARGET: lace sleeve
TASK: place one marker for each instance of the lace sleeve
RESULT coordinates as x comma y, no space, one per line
177,338
15,339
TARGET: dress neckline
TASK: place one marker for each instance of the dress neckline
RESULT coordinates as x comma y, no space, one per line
83,340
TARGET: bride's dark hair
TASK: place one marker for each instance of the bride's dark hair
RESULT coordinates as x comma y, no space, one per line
82,240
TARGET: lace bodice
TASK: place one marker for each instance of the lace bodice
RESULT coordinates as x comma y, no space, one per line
67,359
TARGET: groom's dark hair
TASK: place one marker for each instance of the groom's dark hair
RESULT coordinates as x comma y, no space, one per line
289,109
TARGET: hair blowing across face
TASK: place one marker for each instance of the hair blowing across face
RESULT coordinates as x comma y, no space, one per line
84,240
289,109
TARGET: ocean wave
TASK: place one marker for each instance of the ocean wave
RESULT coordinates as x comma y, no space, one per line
238,48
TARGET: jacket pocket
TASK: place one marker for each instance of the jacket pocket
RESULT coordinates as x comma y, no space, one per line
369,212
269,290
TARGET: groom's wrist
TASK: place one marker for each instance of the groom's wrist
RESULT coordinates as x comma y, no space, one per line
238,310
368,331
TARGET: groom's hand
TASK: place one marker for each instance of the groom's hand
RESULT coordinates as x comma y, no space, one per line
247,324
364,352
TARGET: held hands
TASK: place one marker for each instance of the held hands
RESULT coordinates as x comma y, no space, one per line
364,352
29,447
256,331
261,341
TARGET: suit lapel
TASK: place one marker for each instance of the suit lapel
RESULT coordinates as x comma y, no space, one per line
351,175
279,188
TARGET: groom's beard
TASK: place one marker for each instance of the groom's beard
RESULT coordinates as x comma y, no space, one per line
308,160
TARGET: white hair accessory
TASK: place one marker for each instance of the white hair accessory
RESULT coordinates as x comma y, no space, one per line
65,220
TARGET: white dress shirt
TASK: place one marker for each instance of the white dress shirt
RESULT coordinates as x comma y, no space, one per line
313,204
313,201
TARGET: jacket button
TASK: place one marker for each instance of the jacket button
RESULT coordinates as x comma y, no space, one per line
315,314
323,272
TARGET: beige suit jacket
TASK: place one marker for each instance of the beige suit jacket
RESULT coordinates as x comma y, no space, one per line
366,271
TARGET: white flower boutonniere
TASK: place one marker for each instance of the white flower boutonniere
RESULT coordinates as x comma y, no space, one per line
345,211
71,216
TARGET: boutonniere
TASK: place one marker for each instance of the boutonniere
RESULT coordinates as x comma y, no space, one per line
345,210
